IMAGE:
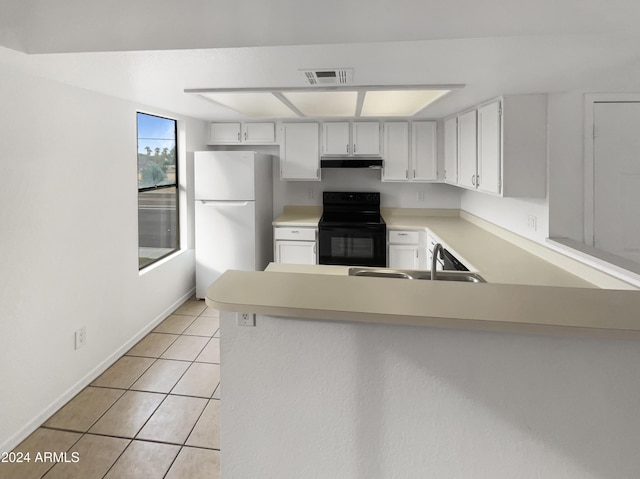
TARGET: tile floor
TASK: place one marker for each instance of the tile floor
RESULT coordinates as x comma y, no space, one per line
153,414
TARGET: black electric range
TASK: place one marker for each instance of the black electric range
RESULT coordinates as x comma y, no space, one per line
351,231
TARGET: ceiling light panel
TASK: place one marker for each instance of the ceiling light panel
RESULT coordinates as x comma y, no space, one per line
253,104
398,102
324,103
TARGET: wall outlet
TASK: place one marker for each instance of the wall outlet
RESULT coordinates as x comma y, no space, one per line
420,195
532,222
81,337
310,193
246,319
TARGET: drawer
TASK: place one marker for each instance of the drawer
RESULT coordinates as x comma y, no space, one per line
404,237
300,234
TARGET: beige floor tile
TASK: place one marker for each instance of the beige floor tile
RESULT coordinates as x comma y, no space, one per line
210,312
206,433
203,326
144,460
42,440
193,307
216,394
211,352
153,345
175,324
174,420
124,372
127,416
82,411
162,376
186,348
194,463
201,380
96,455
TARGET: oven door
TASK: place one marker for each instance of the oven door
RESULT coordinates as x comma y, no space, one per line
353,245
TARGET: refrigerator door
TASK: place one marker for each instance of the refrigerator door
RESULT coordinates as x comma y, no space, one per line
225,239
224,175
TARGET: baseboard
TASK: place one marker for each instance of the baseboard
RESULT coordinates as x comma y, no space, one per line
70,393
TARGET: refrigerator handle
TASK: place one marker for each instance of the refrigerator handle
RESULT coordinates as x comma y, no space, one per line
223,203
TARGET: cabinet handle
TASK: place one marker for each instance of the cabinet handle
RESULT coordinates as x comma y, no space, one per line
347,147
414,173
473,180
478,180
295,232
354,148
406,174
403,234
245,136
238,136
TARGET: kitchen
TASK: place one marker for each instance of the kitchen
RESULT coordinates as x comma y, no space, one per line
55,96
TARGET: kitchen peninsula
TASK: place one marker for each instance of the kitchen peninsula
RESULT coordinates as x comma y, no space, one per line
372,377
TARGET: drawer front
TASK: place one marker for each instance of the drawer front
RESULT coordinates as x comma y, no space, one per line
404,237
301,234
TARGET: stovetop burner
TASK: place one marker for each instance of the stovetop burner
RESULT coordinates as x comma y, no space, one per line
340,207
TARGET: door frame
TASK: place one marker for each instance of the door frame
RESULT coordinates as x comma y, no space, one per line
590,100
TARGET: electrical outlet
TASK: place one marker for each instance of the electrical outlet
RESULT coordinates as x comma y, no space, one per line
532,222
81,337
420,195
310,193
246,319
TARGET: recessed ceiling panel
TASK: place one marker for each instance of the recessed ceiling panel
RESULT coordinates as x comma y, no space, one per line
253,104
398,102
324,103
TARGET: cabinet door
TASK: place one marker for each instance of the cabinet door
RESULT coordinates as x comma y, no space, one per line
396,151
336,138
451,150
423,151
299,151
260,133
489,148
224,133
295,252
366,138
403,256
467,149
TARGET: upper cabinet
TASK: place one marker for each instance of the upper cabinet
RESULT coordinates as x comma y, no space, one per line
300,151
237,133
409,151
358,138
500,147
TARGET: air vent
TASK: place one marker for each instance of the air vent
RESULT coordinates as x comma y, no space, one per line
328,76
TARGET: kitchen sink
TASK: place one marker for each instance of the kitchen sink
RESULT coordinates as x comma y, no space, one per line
463,276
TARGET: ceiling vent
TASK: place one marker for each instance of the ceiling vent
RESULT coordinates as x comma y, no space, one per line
328,76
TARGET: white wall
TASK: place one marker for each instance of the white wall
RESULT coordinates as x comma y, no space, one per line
68,246
309,398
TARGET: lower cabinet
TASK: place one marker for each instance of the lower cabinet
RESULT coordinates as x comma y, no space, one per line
404,249
295,245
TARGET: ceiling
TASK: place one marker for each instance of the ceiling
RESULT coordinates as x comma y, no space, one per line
150,51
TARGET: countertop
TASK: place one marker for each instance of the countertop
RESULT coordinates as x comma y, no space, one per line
524,293
303,216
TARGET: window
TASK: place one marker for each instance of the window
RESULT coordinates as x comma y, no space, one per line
158,232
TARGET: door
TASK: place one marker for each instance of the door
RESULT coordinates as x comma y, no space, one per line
366,138
259,133
224,133
616,149
336,138
224,175
296,252
396,151
403,256
467,149
489,148
300,151
423,151
451,150
224,239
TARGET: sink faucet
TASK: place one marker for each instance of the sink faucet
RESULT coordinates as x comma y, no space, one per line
437,250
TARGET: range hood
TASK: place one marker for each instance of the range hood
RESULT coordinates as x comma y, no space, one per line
351,162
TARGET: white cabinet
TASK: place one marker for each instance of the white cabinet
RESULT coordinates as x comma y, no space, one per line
404,249
423,151
409,160
299,151
358,138
396,151
295,245
451,150
467,149
501,147
237,133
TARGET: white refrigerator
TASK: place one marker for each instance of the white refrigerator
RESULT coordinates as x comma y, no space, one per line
233,213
